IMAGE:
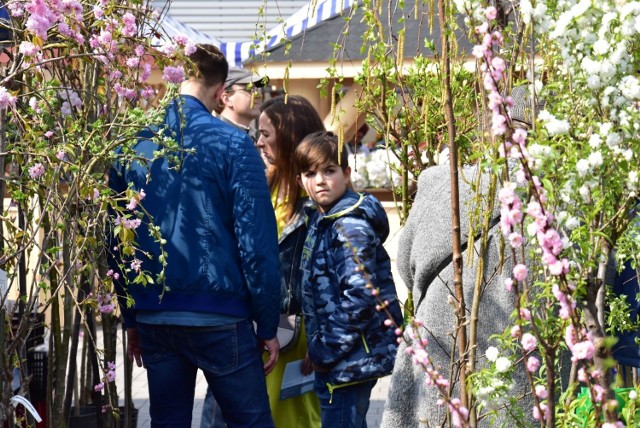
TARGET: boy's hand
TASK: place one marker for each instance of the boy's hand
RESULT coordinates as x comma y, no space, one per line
272,346
306,367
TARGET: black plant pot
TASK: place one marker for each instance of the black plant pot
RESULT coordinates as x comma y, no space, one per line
87,417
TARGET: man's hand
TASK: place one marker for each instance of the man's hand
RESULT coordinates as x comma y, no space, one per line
272,346
133,346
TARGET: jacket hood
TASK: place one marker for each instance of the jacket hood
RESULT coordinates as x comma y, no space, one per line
361,205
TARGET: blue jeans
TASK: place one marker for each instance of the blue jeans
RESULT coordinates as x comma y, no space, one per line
348,405
211,413
229,357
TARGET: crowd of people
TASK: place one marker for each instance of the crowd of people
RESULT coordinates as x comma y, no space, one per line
260,232
271,261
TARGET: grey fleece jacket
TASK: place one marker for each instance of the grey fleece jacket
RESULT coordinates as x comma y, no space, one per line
425,242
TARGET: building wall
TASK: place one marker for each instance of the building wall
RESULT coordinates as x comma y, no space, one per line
231,20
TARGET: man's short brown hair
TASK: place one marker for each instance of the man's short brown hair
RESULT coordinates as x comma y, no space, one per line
211,65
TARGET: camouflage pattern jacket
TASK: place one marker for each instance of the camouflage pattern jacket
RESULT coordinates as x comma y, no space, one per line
343,253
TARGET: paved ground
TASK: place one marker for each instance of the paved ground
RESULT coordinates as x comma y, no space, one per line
378,395
141,400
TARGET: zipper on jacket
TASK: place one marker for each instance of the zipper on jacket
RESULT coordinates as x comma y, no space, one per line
364,343
332,387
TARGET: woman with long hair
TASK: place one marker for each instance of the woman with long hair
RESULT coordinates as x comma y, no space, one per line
283,124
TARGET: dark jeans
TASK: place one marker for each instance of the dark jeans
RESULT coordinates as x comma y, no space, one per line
228,356
347,406
211,413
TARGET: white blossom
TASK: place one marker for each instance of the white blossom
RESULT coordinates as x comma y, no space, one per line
633,180
572,223
503,364
583,167
492,353
595,159
595,141
585,193
613,139
629,87
601,47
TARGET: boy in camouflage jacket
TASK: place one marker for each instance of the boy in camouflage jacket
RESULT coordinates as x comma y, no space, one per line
346,278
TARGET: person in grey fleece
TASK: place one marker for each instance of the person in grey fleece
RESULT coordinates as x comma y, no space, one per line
425,247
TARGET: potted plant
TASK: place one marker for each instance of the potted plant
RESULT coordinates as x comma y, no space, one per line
74,86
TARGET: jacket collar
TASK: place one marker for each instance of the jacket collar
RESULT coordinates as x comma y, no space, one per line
349,202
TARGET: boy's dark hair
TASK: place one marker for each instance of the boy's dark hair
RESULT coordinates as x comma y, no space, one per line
320,148
211,65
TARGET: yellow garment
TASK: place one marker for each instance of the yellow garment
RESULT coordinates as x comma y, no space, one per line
302,411
279,207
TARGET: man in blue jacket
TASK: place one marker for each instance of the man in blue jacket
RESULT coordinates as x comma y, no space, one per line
207,195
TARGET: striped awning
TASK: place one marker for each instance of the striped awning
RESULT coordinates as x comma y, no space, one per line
238,52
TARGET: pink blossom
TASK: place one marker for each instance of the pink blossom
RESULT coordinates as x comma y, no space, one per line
147,92
482,28
617,424
508,284
6,99
189,48
520,272
529,342
140,50
583,350
478,51
582,375
99,387
507,194
598,392
525,314
133,62
48,134
556,268
515,331
541,392
36,171
490,13
515,239
16,8
60,155
570,336
536,412
146,72
130,27
498,124
65,109
173,74
106,309
28,49
533,364
133,203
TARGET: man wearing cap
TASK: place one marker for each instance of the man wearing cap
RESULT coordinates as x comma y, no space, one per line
240,102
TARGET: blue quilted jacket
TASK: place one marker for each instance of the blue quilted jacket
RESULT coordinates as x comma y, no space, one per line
212,204
345,332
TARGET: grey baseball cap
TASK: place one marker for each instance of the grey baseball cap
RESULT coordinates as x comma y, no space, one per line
241,76
521,110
